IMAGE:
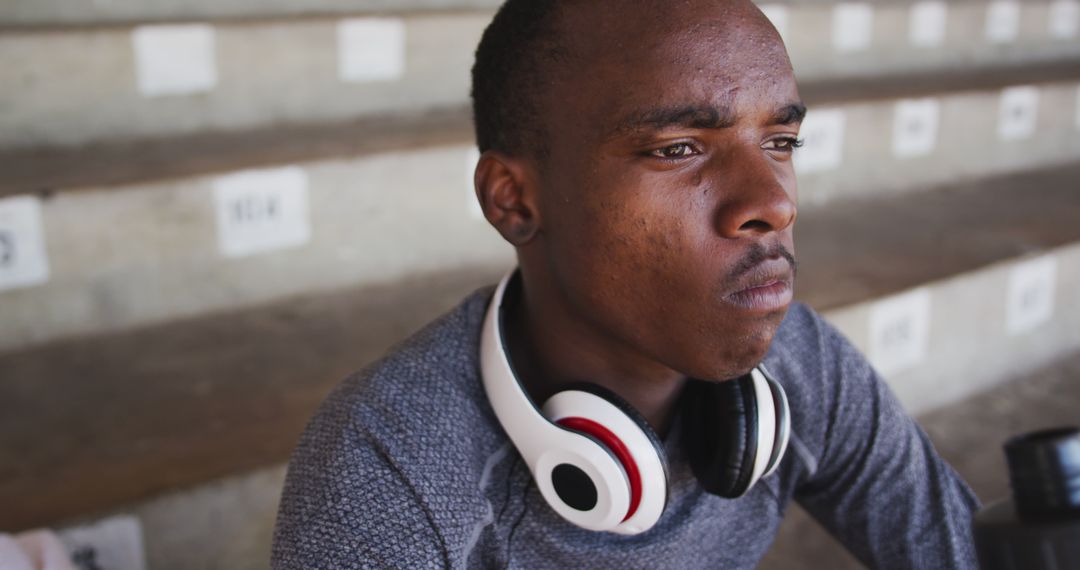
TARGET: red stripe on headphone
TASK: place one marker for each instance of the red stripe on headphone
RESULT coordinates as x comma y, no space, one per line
622,453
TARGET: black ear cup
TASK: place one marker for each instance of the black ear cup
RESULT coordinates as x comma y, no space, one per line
720,434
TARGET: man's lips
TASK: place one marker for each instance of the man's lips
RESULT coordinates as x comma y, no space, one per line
765,287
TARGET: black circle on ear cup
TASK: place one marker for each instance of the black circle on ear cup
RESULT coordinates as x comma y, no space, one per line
574,487
720,433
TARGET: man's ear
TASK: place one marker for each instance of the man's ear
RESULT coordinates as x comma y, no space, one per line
507,187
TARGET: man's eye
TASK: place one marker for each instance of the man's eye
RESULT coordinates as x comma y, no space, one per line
677,150
785,144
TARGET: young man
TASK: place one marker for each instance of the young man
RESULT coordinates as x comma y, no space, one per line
638,157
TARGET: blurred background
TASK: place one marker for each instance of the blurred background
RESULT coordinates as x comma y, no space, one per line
211,211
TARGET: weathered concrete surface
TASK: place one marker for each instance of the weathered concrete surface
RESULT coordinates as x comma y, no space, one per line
969,435
863,249
160,160
968,345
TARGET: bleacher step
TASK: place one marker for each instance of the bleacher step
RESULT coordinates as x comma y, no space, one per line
866,249
119,163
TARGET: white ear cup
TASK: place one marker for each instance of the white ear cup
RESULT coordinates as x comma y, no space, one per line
646,480
783,421
766,422
550,451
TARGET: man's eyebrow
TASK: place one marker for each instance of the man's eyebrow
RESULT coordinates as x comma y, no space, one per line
686,116
700,117
789,115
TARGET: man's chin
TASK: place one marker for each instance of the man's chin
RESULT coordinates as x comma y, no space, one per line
735,373
739,356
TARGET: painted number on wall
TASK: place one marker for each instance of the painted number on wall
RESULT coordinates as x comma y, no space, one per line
915,127
7,248
1018,113
1002,21
927,25
1064,19
823,131
23,259
371,49
852,26
116,542
1030,300
175,59
262,210
899,331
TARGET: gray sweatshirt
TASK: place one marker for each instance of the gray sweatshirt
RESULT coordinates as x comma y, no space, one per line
405,466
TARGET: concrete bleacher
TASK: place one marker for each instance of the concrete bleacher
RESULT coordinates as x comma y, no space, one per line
162,357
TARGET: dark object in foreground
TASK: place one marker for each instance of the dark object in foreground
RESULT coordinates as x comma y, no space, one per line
1039,526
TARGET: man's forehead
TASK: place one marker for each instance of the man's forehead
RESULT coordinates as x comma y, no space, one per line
647,23
683,96
632,68
719,47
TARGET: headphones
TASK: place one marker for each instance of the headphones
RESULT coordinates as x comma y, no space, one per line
597,462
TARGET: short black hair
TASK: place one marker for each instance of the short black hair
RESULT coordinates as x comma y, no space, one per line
513,64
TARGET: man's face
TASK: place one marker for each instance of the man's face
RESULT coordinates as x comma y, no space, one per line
668,196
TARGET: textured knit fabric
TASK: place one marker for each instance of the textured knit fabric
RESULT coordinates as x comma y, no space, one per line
406,466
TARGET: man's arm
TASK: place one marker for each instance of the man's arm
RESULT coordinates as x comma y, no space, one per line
880,486
347,505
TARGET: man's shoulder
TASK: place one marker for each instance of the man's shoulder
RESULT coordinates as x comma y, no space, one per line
819,368
390,460
437,363
427,384
806,341
806,336
421,408
814,354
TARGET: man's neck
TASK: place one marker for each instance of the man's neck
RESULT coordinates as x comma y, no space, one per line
550,349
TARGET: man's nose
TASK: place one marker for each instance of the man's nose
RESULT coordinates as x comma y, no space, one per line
755,201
